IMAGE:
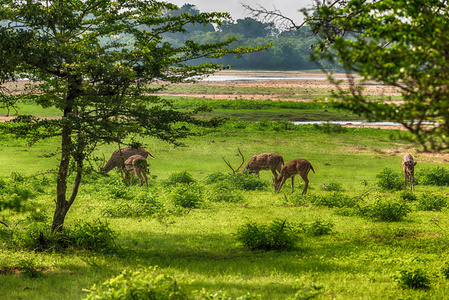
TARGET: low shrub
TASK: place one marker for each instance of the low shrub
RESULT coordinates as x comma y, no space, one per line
147,283
180,178
95,237
438,176
187,196
414,279
445,270
334,187
278,235
431,202
407,195
223,193
241,181
389,180
385,210
144,204
319,228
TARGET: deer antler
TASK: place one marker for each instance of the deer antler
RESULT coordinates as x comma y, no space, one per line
229,164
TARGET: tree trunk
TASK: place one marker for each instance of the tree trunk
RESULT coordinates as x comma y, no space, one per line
62,205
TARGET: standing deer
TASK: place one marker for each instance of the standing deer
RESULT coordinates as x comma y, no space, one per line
409,170
291,169
119,157
136,164
265,161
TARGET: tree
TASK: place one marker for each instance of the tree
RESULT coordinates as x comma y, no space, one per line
394,42
94,60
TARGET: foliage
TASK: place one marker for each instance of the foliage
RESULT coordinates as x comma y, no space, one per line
146,283
334,187
407,195
96,237
414,279
278,235
389,180
28,268
221,192
241,181
438,176
389,42
335,199
319,227
187,196
445,270
180,177
385,210
431,202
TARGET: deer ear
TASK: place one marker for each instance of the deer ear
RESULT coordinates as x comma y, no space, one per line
415,164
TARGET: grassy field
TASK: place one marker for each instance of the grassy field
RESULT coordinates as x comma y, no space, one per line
347,244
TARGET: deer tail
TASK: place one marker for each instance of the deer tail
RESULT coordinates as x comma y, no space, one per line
311,167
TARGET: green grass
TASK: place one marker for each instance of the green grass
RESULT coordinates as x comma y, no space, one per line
198,247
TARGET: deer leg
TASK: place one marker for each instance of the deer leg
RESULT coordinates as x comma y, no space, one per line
274,173
405,181
145,176
412,179
139,175
306,184
293,182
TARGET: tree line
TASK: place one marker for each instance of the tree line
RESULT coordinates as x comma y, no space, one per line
289,50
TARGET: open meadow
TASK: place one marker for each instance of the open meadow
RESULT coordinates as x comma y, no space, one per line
200,232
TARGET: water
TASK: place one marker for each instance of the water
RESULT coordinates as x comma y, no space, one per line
254,78
349,123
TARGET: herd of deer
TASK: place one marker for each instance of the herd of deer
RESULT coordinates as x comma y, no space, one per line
134,161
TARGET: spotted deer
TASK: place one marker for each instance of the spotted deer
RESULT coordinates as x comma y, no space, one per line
408,166
265,161
136,164
119,157
291,169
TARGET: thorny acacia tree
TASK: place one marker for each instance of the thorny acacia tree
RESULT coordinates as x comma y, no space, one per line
395,42
94,60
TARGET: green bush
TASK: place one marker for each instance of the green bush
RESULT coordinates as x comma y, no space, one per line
445,270
180,177
438,176
147,283
279,235
334,187
431,202
241,181
385,210
223,193
144,204
415,279
318,228
389,180
95,237
407,195
187,196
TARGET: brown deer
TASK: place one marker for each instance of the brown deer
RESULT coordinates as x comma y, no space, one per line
291,169
409,170
119,157
136,164
265,161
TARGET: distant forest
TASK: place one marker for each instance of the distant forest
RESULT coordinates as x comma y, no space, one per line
290,50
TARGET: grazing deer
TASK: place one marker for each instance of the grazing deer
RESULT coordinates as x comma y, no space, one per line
265,161
119,157
291,169
409,170
136,164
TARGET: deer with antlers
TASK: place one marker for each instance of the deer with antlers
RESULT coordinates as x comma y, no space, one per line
136,164
408,166
119,157
291,169
259,162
